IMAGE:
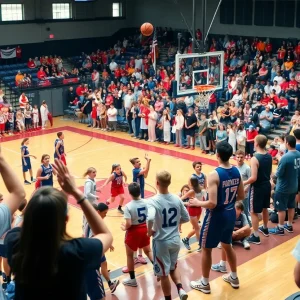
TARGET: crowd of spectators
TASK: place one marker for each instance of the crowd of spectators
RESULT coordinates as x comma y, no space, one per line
260,90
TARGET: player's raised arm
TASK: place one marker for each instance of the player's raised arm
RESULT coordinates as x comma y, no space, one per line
14,187
145,171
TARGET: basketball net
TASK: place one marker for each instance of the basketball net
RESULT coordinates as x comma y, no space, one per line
204,94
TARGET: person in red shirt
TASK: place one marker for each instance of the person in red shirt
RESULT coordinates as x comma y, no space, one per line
292,83
104,58
269,48
251,133
80,91
263,72
31,64
118,72
265,100
280,55
282,102
41,75
198,34
284,85
297,52
19,53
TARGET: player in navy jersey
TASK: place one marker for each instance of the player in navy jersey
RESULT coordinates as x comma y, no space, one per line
60,148
139,174
225,186
45,173
197,166
26,163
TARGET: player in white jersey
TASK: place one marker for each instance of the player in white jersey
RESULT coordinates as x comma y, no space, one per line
165,212
135,215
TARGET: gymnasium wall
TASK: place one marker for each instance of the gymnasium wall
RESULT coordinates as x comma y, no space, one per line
89,20
166,13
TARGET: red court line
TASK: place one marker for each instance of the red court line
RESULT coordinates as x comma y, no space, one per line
147,147
110,138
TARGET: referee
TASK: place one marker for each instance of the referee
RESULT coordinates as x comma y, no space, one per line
286,187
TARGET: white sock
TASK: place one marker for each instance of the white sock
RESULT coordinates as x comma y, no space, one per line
280,226
204,280
255,232
233,275
222,263
288,224
298,205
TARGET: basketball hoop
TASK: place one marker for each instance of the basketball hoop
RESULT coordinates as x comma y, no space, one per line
204,92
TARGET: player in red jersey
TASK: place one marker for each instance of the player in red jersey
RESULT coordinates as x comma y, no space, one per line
117,185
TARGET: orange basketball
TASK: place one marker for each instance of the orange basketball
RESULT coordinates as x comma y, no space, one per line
147,29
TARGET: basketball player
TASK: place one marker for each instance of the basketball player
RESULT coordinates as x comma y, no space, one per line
45,173
225,186
165,213
197,166
117,188
60,148
135,214
139,174
260,188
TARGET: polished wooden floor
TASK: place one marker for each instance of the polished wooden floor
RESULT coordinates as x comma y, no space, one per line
265,272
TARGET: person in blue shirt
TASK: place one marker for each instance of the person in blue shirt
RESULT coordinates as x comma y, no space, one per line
225,187
45,172
139,174
287,174
297,136
26,163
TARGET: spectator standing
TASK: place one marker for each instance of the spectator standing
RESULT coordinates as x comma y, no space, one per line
95,79
203,132
19,54
152,124
44,113
286,188
112,118
251,133
23,100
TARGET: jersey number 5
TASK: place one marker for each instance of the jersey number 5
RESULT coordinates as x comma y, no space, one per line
169,217
232,190
142,214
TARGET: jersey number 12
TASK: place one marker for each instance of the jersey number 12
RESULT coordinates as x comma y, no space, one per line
168,217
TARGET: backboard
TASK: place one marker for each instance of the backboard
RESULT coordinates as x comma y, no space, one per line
197,69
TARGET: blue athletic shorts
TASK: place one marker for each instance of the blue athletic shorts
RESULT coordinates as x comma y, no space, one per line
217,227
27,167
94,285
103,259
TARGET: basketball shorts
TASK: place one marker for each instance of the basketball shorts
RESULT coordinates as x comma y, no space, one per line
116,191
27,167
63,159
136,237
194,211
94,285
2,250
284,201
259,197
103,259
217,227
37,184
2,127
165,255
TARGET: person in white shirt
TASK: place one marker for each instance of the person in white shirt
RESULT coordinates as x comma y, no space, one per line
137,74
165,213
44,113
113,65
276,87
128,99
278,78
189,101
125,43
112,118
95,79
138,63
268,88
135,215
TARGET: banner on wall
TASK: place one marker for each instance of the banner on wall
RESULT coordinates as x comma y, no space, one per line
8,53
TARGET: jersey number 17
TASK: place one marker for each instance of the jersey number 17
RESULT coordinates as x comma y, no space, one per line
232,190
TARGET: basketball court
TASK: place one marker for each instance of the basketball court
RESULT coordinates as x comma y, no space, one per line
265,271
